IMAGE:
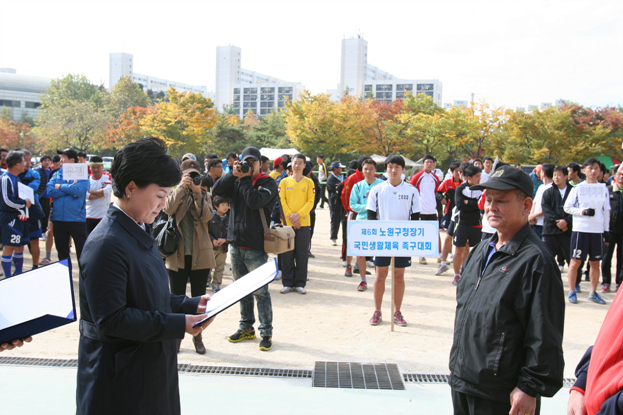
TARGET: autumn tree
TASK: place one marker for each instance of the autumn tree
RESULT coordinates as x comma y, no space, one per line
125,94
16,135
485,123
127,128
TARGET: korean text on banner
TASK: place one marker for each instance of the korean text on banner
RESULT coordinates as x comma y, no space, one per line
393,238
75,171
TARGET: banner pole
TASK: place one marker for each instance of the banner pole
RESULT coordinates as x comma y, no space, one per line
393,289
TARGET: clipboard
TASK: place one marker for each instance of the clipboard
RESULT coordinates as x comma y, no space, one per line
240,288
36,301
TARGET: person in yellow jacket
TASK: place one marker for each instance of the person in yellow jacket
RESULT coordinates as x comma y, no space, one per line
297,194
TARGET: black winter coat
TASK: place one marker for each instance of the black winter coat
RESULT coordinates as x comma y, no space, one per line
245,228
130,321
218,229
615,207
509,323
552,206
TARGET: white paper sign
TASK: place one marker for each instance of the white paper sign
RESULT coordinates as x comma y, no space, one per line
25,192
393,238
75,171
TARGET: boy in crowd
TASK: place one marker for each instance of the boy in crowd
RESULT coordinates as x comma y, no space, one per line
13,218
217,227
575,173
589,203
392,200
487,171
447,191
426,182
335,205
556,233
468,231
358,203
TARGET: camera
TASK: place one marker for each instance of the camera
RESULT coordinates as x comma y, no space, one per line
245,166
196,178
588,212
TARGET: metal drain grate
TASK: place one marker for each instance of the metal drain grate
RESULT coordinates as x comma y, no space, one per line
357,376
181,368
437,378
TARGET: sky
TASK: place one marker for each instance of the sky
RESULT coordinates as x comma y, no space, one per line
508,53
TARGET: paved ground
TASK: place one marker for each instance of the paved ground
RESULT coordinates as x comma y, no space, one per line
331,323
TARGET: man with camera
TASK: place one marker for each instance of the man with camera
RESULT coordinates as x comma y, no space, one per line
252,193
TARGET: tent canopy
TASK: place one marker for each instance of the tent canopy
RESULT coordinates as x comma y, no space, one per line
409,163
273,153
608,161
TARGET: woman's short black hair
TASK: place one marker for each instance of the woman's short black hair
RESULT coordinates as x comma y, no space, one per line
145,162
395,159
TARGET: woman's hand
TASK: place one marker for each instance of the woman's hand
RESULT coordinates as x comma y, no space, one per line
15,343
191,320
201,308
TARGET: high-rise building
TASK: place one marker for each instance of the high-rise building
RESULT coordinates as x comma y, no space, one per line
247,90
361,79
21,94
121,64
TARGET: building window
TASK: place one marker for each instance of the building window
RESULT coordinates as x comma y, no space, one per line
400,95
285,89
283,97
250,91
237,104
251,104
265,111
236,98
270,97
236,90
268,90
425,87
404,87
268,104
281,104
384,87
33,104
367,88
250,97
429,93
7,103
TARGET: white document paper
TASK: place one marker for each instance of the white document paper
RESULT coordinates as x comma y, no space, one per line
75,171
25,192
240,288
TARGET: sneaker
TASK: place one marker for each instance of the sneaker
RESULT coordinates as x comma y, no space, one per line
349,271
423,260
300,290
310,255
285,290
450,258
376,318
399,319
45,261
43,238
363,285
573,298
605,288
442,268
333,242
241,335
266,344
577,287
278,277
370,264
456,279
594,297
356,271
216,288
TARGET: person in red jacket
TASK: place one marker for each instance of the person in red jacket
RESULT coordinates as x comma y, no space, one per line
427,183
446,191
599,385
349,183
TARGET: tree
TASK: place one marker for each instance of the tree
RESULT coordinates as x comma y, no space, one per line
484,123
227,135
387,132
184,122
16,135
270,131
127,128
126,94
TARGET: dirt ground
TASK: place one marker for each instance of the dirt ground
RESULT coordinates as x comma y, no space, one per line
331,322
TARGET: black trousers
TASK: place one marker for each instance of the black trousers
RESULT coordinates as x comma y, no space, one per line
312,218
198,279
323,195
465,404
45,205
616,244
559,244
91,224
65,230
336,219
294,263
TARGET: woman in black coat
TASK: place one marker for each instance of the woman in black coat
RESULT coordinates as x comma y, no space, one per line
127,360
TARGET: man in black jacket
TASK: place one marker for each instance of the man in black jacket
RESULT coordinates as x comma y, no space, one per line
251,193
615,236
557,223
335,204
508,328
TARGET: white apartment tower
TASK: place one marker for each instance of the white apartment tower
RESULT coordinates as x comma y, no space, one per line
119,65
227,74
354,62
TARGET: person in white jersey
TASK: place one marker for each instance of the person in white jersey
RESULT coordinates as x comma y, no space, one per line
427,183
98,197
487,170
589,203
536,217
392,200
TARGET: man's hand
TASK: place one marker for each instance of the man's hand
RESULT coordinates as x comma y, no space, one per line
216,243
522,403
532,220
237,172
294,217
57,186
186,181
15,343
444,202
221,241
576,404
28,203
562,224
191,320
201,308
296,224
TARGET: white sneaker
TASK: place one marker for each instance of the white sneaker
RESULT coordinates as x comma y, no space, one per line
300,290
334,242
442,268
286,290
278,277
370,264
423,260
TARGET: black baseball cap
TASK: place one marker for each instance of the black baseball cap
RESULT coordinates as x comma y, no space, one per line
508,178
251,152
70,153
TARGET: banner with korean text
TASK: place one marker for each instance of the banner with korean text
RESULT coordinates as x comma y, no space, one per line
393,238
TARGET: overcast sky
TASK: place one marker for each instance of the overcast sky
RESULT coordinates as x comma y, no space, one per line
510,53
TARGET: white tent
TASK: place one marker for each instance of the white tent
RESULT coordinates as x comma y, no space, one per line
273,153
410,163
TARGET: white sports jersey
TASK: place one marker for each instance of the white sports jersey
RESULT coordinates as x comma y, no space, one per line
538,200
96,209
585,196
394,202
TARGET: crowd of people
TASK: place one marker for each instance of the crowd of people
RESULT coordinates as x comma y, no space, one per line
507,234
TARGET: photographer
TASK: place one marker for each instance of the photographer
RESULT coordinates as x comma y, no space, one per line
194,258
252,193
